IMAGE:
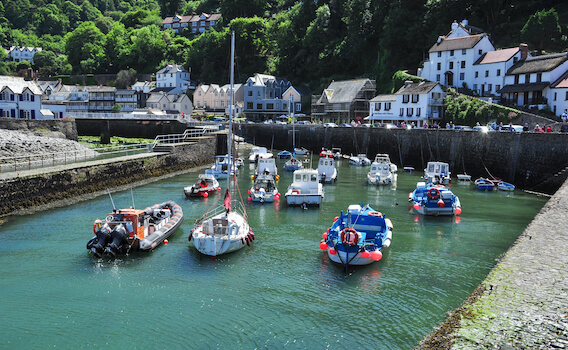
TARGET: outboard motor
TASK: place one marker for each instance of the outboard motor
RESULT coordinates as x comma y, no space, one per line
97,244
119,241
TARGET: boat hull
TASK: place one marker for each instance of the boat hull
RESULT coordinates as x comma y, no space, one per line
341,257
301,199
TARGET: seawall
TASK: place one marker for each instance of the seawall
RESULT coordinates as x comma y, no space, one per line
532,161
33,188
51,127
134,128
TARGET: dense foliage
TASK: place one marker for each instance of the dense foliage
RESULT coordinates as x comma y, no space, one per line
308,42
467,110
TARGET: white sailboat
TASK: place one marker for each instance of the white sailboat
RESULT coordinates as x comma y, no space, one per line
224,228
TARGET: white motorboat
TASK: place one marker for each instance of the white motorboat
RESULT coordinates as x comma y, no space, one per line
381,158
254,152
437,173
264,189
266,165
359,160
224,229
305,189
203,187
220,169
327,172
380,174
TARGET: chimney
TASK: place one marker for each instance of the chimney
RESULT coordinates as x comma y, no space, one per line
524,48
454,26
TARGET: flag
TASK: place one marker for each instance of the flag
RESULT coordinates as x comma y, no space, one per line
227,201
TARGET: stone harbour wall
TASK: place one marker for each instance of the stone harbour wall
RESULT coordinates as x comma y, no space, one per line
21,190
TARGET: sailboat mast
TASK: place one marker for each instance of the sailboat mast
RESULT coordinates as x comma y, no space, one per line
293,128
229,139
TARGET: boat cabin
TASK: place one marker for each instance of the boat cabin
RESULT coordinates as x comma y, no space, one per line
382,158
266,165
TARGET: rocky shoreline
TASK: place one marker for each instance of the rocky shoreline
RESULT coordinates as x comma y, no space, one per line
19,143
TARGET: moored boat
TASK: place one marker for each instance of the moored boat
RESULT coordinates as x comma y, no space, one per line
505,186
359,160
205,185
383,158
220,169
437,173
255,151
484,184
305,189
434,200
293,164
358,236
327,172
284,155
125,230
264,189
266,165
379,174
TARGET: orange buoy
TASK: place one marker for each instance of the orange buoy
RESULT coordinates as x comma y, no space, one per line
166,241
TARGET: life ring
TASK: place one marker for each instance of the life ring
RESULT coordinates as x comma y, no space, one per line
433,193
349,236
376,213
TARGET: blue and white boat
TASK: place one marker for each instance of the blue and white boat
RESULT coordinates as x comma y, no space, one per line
284,155
505,186
434,200
264,189
484,184
327,172
358,236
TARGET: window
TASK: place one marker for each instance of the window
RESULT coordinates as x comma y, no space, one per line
516,79
439,66
451,52
480,52
401,111
378,106
566,98
438,77
554,97
498,72
451,65
418,112
249,93
439,53
489,87
497,88
515,59
249,105
486,73
463,51
270,106
211,23
409,112
388,104
259,106
202,23
474,87
405,98
463,64
477,74
538,77
462,76
527,78
415,98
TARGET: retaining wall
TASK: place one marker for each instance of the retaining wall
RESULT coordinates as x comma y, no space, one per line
49,127
531,161
129,127
49,185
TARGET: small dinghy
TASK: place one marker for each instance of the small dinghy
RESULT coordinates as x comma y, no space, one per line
203,187
124,230
484,184
358,236
505,186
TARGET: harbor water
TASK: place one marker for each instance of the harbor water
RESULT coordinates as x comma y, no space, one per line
282,292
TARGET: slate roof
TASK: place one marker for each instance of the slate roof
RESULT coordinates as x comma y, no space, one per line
18,85
524,87
344,91
172,68
466,42
537,64
384,98
191,18
414,88
497,56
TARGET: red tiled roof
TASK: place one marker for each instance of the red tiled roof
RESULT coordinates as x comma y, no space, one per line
497,56
466,42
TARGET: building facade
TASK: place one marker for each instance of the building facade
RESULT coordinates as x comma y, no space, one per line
22,53
344,101
194,23
212,98
173,78
414,103
263,97
20,99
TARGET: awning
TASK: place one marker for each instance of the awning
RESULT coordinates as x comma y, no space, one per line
524,87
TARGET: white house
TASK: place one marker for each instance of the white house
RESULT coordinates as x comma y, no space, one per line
22,53
299,96
415,103
172,104
530,82
558,95
127,99
173,78
263,96
450,60
194,22
19,98
143,86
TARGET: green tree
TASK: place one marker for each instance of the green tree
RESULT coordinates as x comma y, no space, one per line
125,78
45,58
104,24
50,21
116,108
542,30
85,48
148,47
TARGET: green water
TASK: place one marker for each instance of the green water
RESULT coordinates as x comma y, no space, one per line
282,292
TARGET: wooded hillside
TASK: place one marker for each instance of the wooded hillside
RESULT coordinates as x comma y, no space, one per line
308,42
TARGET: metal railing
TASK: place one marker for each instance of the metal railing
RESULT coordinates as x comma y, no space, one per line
178,138
44,160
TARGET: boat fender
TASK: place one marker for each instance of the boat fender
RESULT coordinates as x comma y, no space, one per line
242,241
441,203
376,213
248,242
433,193
349,236
96,225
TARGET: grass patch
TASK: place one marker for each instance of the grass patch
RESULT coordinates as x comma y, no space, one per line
95,141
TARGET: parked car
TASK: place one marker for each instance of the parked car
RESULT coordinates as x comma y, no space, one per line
345,125
303,122
481,128
462,127
330,125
